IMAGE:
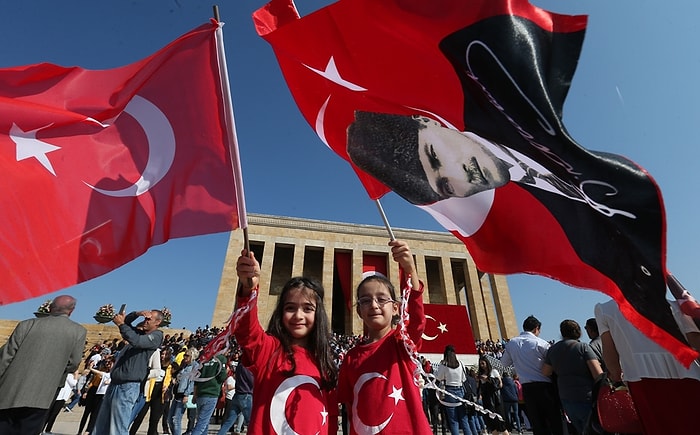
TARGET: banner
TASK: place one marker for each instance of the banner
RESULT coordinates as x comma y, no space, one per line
456,106
445,325
101,165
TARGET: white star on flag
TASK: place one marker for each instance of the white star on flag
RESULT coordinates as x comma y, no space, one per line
331,73
396,394
29,146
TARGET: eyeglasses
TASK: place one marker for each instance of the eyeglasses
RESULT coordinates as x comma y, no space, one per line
366,301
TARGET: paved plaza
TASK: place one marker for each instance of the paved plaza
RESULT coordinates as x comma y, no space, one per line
67,424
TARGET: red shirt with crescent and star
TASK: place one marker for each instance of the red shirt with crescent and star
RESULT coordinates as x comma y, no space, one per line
281,402
376,381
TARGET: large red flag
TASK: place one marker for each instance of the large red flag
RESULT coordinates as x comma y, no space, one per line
101,165
456,106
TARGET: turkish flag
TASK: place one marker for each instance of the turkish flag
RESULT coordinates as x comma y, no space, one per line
456,105
445,325
101,165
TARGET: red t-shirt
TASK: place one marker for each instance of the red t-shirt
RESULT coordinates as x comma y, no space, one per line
281,402
377,384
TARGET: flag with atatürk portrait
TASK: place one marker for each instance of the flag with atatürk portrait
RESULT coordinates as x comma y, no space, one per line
99,166
456,106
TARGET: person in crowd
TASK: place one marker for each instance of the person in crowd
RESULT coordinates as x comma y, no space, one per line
452,376
664,391
295,352
526,353
577,368
388,353
183,388
242,400
63,395
77,391
228,389
522,407
158,380
471,388
509,395
129,370
104,352
431,406
34,363
167,393
139,411
490,384
596,344
207,387
97,388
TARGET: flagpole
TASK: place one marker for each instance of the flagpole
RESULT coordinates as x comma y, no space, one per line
386,221
231,134
675,286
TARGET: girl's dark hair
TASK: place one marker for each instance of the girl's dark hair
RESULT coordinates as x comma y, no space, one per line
449,357
489,367
319,340
384,280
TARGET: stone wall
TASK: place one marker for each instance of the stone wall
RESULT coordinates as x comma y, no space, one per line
96,332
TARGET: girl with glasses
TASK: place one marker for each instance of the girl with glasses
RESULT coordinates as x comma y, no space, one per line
378,380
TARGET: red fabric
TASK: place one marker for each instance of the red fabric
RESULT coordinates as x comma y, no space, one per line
374,263
500,70
343,267
447,324
378,56
666,406
69,214
278,398
380,369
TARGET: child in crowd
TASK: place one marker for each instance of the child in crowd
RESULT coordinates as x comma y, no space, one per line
377,379
292,363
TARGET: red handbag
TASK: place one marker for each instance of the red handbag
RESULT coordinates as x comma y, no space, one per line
616,410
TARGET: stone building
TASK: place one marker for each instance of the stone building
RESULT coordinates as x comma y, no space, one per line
337,254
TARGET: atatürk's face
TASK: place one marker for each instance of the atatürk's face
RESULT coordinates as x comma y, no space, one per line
457,165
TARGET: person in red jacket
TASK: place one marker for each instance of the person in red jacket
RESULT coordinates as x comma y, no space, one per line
292,364
377,380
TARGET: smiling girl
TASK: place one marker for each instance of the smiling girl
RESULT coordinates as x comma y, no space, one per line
292,363
377,379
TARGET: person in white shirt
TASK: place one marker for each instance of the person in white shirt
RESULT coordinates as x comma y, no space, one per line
665,392
527,352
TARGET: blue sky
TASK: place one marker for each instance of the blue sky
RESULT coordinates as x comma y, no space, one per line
635,93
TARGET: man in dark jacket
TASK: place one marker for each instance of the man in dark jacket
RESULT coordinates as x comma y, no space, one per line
129,370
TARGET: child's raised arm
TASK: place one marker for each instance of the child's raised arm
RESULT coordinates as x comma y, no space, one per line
402,255
248,271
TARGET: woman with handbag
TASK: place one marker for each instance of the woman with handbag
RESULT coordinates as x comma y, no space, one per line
664,393
451,375
490,384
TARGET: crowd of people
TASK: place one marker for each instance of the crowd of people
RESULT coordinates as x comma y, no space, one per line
295,375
